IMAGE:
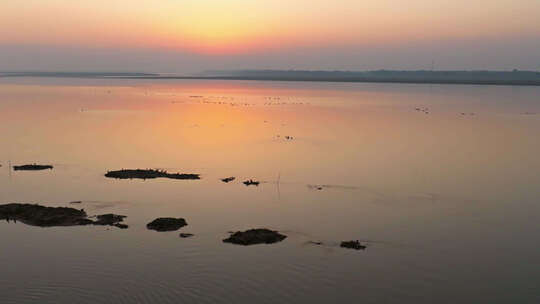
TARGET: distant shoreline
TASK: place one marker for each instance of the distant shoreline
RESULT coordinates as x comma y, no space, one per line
405,77
349,80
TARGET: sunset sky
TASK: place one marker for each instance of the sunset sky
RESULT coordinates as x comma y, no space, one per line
195,35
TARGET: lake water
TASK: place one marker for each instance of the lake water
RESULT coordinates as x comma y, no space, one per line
448,202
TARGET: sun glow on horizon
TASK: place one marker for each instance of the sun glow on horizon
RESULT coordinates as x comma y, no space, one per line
216,27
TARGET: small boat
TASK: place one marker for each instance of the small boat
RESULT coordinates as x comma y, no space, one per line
250,182
228,179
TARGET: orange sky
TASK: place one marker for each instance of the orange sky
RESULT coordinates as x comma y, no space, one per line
262,27
240,26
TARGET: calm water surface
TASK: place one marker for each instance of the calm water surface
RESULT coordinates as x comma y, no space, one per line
447,202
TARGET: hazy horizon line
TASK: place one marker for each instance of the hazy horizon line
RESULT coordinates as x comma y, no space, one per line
128,72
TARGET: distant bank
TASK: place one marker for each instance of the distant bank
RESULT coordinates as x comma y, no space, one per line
516,77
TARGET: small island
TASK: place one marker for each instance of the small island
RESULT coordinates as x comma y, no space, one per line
148,174
42,216
356,245
166,224
255,236
32,167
